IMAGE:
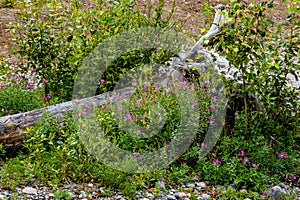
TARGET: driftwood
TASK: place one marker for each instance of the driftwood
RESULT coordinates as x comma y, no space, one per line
12,127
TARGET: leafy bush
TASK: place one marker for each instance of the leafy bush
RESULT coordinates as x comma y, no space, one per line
55,36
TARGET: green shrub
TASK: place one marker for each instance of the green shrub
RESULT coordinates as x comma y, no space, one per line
55,36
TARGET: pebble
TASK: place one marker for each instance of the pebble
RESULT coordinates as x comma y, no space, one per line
190,185
90,185
205,196
201,184
29,190
182,195
171,197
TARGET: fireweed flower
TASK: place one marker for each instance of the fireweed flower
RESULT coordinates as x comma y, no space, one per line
211,121
241,153
294,177
128,115
246,160
217,162
215,99
282,155
136,105
184,84
49,96
83,111
98,83
209,109
144,87
197,174
254,165
263,196
30,85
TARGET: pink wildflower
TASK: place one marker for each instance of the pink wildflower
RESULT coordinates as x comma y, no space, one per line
282,155
30,85
241,153
217,162
246,160
263,196
254,165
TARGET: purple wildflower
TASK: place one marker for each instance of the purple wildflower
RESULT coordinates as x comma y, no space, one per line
254,165
128,115
282,155
246,160
217,162
241,153
30,85
215,99
294,177
263,196
184,84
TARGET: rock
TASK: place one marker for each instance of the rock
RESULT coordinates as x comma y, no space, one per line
171,197
2,196
149,195
205,196
277,190
29,190
243,191
51,195
182,195
82,195
201,184
90,185
190,185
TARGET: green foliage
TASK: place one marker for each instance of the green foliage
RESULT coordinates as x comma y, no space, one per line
15,172
16,96
8,4
56,36
264,53
62,195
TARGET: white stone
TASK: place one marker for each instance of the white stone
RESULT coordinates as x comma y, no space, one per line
206,196
90,185
182,194
29,190
201,184
51,195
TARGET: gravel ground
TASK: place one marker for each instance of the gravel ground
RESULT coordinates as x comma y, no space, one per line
93,191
